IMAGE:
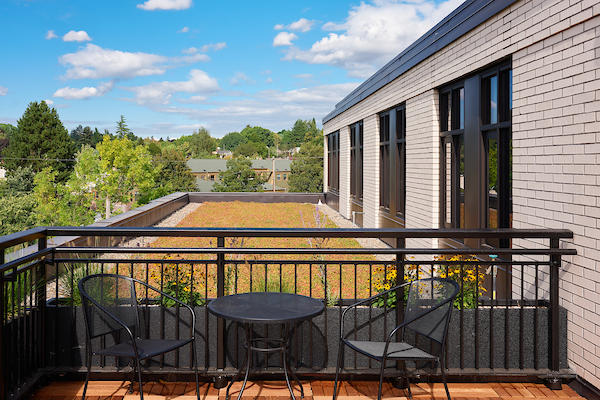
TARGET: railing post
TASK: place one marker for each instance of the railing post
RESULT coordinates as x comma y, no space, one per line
400,260
553,381
40,300
2,319
220,380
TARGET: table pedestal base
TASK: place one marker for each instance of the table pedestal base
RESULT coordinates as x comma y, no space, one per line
252,346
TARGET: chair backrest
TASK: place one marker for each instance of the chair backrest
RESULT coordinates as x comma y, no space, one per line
106,295
433,298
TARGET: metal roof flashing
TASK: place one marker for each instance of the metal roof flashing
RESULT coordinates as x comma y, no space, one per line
463,19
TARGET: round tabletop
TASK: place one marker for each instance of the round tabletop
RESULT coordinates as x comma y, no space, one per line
266,307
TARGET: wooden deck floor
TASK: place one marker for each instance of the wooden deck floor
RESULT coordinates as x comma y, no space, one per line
314,390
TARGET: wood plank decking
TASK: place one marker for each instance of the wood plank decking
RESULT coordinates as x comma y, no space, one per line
314,390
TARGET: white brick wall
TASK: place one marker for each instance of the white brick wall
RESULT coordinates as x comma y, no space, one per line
345,172
556,142
371,171
555,48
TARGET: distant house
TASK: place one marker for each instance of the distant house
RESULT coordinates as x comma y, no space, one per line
222,153
206,171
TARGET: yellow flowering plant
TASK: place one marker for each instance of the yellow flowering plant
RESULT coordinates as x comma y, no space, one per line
181,283
469,275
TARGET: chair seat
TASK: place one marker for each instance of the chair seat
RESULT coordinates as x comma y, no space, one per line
146,348
396,350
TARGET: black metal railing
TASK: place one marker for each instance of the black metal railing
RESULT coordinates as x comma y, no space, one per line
507,319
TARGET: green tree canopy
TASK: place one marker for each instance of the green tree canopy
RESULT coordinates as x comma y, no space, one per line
247,149
19,181
232,140
40,141
6,130
173,175
257,135
197,145
303,131
16,213
307,169
85,136
238,177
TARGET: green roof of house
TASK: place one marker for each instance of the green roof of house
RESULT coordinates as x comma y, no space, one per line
198,165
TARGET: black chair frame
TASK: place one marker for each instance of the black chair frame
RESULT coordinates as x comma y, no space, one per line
439,360
87,299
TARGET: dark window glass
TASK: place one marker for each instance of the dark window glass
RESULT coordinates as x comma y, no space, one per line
452,109
333,161
493,100
356,161
400,161
384,160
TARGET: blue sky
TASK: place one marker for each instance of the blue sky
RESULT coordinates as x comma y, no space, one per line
171,66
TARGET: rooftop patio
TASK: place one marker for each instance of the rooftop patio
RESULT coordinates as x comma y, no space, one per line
507,323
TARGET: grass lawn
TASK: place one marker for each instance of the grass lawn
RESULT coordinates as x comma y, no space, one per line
291,273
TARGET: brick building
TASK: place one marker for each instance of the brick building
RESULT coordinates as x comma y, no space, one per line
491,119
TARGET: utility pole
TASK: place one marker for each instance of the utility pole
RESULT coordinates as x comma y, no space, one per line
273,173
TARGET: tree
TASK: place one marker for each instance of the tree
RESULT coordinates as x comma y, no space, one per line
126,170
173,175
57,204
18,182
258,135
85,136
40,141
198,145
303,131
232,140
307,169
238,177
247,149
16,213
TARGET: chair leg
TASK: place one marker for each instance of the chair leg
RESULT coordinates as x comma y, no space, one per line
139,373
338,366
195,356
405,371
443,368
379,390
87,375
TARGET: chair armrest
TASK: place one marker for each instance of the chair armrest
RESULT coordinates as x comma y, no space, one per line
175,300
369,300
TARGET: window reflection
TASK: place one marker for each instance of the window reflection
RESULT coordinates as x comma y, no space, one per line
494,99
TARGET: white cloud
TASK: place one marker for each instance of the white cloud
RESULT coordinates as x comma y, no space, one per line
84,92
95,62
190,50
284,39
151,5
3,91
373,33
51,35
269,80
240,78
76,36
303,76
161,92
274,109
213,46
184,30
302,25
49,102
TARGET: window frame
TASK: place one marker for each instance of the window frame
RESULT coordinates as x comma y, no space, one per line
356,161
392,162
333,162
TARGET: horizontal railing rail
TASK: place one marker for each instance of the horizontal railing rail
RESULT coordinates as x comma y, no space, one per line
507,318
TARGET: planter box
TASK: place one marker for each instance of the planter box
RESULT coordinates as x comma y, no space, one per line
314,344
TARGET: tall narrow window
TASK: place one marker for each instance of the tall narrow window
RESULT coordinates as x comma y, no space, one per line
452,124
496,110
333,161
356,161
400,161
384,160
392,159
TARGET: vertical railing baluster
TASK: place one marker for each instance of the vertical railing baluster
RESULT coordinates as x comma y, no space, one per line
220,381
40,299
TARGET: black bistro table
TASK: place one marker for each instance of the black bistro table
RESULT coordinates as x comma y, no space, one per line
270,308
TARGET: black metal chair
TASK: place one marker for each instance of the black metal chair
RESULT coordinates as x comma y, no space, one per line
111,308
427,314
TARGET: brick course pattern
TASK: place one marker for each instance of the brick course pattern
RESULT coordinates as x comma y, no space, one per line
555,50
